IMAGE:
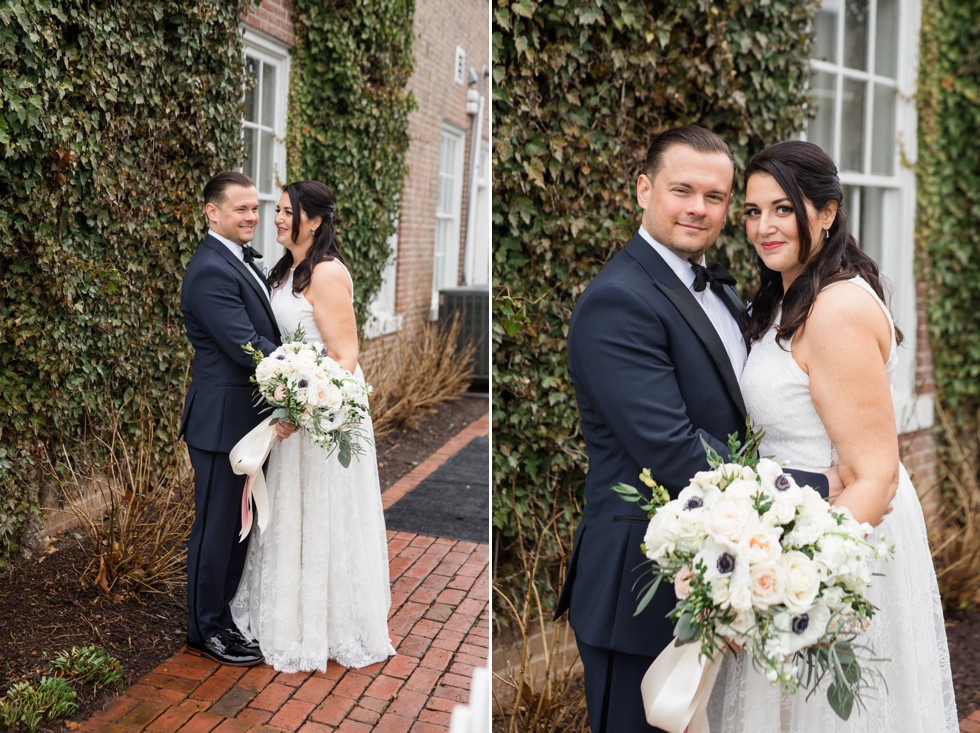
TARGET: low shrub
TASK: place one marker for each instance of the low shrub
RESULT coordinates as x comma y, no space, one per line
27,704
89,664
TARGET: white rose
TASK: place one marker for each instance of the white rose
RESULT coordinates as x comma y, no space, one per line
740,597
719,592
833,597
329,395
682,583
661,531
742,491
767,582
305,361
266,369
802,581
689,532
761,543
727,520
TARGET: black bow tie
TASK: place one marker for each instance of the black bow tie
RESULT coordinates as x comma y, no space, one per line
253,254
713,274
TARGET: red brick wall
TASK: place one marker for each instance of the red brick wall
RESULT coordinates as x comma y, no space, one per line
440,26
918,449
274,17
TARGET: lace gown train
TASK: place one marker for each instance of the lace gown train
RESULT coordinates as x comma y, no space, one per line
315,585
908,628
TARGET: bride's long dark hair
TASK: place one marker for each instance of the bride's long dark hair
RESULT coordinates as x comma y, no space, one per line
806,173
315,199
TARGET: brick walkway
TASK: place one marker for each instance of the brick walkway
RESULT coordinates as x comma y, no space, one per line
438,624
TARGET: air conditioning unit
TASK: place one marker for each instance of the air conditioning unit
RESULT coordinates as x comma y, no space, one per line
472,303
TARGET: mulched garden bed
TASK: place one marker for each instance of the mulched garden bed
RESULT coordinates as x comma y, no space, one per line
45,609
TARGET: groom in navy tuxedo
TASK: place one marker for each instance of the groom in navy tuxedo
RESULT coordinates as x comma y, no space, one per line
654,350
225,302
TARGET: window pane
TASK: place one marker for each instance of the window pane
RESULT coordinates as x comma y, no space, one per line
250,152
886,39
852,126
268,95
856,34
869,234
251,82
265,235
820,130
265,180
883,141
825,32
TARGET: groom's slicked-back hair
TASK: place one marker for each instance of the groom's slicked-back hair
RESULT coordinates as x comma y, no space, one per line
214,191
699,138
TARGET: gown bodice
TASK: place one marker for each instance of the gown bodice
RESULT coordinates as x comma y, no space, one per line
777,396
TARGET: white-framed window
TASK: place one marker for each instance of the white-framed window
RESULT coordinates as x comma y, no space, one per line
481,235
264,130
381,313
445,267
864,75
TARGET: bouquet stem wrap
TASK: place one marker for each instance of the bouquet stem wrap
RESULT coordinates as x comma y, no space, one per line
247,458
676,689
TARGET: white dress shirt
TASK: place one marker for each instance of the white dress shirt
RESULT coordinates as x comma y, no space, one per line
714,307
236,249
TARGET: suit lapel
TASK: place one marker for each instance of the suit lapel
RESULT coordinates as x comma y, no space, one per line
244,271
691,311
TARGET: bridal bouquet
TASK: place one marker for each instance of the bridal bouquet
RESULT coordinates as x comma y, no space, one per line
309,389
770,565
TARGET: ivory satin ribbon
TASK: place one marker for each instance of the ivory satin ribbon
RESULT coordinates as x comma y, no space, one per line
676,689
247,458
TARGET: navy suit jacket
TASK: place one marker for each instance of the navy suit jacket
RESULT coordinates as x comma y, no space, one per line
652,379
224,307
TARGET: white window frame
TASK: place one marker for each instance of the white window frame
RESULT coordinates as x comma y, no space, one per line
275,53
896,258
382,319
446,242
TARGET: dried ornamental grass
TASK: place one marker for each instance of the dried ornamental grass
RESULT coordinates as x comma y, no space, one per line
138,526
416,371
543,692
954,532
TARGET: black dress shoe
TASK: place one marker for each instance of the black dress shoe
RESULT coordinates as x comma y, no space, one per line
223,649
251,644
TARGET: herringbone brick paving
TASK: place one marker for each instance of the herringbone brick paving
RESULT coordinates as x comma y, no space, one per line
438,624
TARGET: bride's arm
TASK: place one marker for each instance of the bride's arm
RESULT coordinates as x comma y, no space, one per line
329,292
843,347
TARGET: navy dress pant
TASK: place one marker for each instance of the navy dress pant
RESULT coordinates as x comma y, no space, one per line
215,557
612,690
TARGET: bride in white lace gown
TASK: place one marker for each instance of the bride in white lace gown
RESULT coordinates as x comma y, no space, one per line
315,585
817,381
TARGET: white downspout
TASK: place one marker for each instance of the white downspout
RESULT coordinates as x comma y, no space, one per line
475,101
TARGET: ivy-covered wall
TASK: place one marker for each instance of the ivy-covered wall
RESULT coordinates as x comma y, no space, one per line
348,120
112,118
948,201
580,89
